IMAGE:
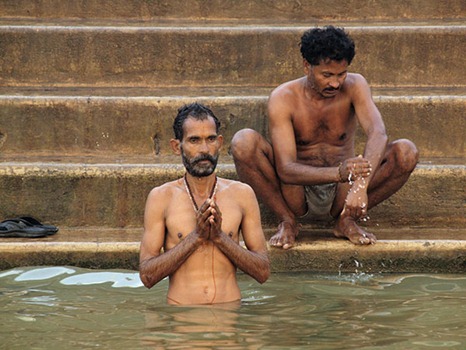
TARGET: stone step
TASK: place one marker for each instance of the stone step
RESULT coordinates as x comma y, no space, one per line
203,55
422,250
303,10
63,122
113,195
90,89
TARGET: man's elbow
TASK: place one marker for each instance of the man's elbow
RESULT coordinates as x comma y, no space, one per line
146,281
285,176
384,137
264,274
381,136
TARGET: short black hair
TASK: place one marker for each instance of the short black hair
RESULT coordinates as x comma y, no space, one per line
327,43
195,110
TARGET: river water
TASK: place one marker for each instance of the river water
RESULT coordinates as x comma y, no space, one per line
74,308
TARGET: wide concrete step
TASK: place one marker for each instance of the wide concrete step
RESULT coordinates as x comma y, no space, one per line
111,55
303,10
63,122
421,250
85,118
113,195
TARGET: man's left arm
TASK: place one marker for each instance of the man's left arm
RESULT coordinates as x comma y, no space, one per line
254,260
371,122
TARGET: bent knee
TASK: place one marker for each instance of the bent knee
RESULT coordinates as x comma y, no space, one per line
244,143
406,155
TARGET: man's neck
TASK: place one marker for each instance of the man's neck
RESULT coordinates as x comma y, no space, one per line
310,92
201,186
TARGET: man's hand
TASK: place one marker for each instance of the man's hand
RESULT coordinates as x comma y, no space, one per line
203,224
356,201
215,221
355,168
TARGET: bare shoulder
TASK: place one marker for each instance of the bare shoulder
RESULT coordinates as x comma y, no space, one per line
234,185
235,188
285,90
355,81
164,191
283,100
237,197
358,89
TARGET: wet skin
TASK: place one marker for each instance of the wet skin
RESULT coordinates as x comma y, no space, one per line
197,224
312,123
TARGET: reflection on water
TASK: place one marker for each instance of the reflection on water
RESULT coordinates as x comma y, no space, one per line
72,308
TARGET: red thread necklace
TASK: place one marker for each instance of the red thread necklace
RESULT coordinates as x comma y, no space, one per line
188,190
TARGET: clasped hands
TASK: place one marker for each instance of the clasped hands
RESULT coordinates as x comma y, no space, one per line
209,221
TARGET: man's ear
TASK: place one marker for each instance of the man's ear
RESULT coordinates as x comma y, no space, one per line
176,146
306,66
220,141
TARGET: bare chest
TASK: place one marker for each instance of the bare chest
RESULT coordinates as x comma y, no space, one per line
181,219
331,123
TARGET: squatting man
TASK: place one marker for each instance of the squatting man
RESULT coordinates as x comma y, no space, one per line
197,221
309,170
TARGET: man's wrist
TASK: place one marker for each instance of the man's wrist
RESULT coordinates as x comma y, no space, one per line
197,238
359,184
340,176
219,237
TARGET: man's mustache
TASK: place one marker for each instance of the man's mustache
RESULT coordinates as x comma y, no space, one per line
203,157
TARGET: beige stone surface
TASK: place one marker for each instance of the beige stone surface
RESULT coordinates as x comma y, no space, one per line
89,89
398,250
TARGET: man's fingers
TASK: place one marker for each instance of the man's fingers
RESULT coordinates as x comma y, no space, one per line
204,206
205,214
215,207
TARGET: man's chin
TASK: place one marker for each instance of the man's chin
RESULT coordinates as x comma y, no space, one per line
201,172
330,93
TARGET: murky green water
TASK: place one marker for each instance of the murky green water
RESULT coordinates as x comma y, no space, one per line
71,308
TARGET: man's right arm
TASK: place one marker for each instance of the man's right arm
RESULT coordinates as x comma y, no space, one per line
154,266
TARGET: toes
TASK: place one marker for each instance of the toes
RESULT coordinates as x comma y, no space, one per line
280,242
284,237
288,243
287,246
275,241
366,239
363,241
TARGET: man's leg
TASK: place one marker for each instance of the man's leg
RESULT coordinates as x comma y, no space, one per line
400,159
254,162
399,162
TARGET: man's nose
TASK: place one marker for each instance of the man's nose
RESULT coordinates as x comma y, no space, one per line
335,83
204,147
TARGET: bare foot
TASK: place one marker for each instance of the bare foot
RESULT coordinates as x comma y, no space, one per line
285,236
346,227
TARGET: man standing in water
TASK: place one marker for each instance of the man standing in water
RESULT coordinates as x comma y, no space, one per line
310,170
197,221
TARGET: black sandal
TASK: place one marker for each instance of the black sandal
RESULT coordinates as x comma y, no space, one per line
25,227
